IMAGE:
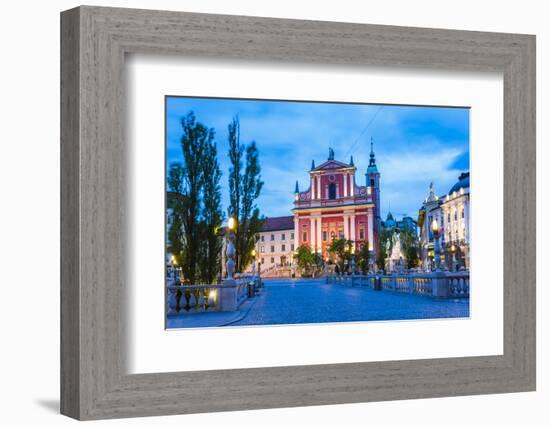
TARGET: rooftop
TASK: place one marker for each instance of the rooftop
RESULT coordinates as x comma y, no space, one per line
278,223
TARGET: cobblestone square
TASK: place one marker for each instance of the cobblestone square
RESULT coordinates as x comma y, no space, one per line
303,301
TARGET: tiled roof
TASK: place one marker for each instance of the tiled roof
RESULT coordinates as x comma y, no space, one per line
278,223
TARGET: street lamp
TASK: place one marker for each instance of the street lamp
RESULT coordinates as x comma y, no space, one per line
174,266
253,253
230,251
437,256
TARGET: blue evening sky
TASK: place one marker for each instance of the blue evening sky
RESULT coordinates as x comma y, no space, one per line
413,145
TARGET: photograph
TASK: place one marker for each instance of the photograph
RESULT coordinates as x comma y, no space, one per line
285,212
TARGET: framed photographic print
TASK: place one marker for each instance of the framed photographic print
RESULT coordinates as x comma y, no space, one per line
323,212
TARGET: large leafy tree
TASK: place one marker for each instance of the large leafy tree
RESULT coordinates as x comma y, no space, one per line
176,203
245,185
305,259
187,181
362,258
411,248
211,216
341,249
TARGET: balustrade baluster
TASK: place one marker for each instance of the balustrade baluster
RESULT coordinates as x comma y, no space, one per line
200,304
172,302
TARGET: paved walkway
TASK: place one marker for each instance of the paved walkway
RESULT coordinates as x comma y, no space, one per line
292,301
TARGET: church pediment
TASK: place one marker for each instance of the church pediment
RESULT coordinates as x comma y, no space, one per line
332,165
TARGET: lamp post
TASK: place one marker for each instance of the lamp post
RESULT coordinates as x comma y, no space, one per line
230,251
453,262
253,253
437,255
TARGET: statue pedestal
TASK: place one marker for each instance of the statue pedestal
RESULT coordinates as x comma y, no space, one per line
228,295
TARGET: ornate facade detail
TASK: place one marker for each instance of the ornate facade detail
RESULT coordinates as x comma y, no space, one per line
335,206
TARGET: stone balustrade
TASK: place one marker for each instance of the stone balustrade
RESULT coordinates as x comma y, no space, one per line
437,284
226,296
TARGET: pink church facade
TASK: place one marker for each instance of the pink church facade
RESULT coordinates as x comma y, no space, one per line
336,206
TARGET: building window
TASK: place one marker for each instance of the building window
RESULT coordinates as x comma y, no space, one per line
272,260
283,236
263,260
292,246
449,217
361,234
372,182
272,248
332,235
283,248
456,216
304,236
272,237
341,234
324,236
262,238
262,249
462,213
332,191
291,236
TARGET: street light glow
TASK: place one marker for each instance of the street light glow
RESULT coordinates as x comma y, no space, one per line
231,223
435,226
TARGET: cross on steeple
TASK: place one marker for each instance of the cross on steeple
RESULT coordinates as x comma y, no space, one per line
372,161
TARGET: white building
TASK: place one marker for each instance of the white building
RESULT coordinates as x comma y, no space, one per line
456,224
275,247
452,213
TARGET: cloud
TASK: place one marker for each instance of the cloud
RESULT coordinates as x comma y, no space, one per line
413,145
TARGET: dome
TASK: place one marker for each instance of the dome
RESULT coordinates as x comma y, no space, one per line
463,182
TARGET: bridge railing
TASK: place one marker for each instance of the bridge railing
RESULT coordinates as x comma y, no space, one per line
438,284
226,296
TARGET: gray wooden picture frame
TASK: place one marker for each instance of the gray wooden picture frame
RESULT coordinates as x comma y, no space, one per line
94,381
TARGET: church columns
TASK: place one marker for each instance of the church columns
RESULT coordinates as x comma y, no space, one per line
312,186
346,226
349,225
319,187
345,176
370,225
315,232
319,241
312,234
352,231
297,236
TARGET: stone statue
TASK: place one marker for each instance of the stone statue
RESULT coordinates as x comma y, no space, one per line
396,259
396,245
330,154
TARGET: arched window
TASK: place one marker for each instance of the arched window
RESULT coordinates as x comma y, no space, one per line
332,191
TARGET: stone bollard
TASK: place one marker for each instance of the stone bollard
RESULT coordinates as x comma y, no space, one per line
440,285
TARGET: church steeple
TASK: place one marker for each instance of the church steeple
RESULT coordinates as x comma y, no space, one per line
372,161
